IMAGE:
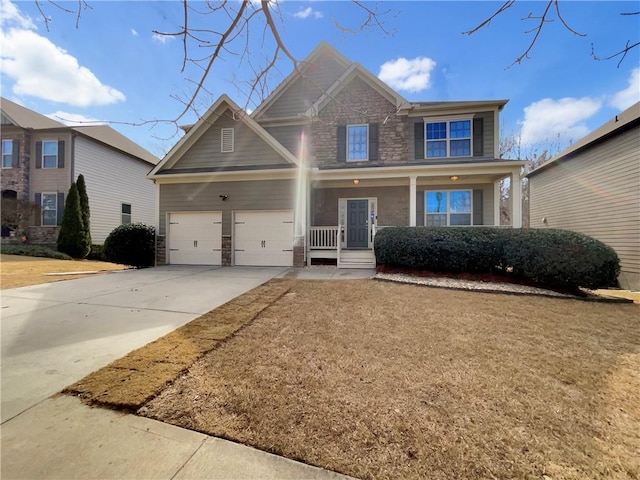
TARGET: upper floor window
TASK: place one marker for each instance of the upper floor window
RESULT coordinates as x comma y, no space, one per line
126,213
226,140
448,139
50,154
357,143
448,207
7,153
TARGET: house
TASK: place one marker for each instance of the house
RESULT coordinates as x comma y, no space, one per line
593,187
42,157
329,158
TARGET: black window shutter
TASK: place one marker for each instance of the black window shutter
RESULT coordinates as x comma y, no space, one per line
15,154
60,206
418,130
61,154
38,154
478,137
38,210
342,143
477,207
373,141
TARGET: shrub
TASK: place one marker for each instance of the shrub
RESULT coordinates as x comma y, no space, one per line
131,244
72,238
561,258
96,253
553,258
34,251
84,207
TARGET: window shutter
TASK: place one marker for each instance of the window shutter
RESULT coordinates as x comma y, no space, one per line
60,208
37,212
418,130
477,207
61,155
373,141
38,154
15,154
478,137
342,143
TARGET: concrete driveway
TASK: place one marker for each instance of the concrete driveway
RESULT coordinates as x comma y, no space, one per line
54,334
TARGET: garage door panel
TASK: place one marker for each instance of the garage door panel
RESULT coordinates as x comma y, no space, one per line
264,238
195,238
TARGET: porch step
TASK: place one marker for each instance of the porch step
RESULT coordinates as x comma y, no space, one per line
357,259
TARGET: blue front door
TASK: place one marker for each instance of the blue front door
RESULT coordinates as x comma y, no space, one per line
357,224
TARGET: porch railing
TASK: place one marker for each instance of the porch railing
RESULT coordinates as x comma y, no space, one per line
323,238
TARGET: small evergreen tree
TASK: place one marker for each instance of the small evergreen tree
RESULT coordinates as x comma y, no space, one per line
72,238
84,207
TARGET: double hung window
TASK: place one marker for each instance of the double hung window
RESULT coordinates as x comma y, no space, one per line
448,208
357,143
448,138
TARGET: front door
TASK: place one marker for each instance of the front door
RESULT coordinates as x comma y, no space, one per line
357,223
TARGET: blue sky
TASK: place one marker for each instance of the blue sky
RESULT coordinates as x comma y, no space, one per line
114,68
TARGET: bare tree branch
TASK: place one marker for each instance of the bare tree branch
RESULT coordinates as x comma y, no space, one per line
505,6
629,46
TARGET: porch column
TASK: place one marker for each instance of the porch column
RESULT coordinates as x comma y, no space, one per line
516,199
496,202
412,200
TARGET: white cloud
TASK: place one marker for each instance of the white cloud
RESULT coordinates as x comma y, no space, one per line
43,70
408,75
73,119
630,95
560,120
134,32
308,12
10,15
161,38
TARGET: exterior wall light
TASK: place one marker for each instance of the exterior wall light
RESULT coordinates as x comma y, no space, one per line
453,178
356,181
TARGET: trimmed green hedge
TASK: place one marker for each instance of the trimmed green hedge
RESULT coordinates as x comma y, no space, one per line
96,252
34,251
131,244
554,258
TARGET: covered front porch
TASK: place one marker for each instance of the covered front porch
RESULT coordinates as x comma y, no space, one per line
346,208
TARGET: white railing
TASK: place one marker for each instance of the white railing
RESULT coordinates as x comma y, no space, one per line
338,244
323,238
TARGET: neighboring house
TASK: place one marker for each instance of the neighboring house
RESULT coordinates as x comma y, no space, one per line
42,157
593,187
329,158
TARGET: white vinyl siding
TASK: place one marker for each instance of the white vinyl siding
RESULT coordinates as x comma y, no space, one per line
112,179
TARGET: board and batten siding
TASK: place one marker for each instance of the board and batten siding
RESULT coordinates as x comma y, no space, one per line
488,127
248,149
113,178
596,192
241,195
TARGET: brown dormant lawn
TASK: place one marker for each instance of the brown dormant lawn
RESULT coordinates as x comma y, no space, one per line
382,380
20,271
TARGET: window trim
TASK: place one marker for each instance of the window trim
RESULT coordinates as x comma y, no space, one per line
42,209
366,143
10,142
448,191
56,142
448,120
122,213
230,148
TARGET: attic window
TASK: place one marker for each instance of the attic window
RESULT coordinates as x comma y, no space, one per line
226,140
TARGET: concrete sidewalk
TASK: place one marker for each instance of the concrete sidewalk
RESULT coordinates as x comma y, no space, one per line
61,438
55,334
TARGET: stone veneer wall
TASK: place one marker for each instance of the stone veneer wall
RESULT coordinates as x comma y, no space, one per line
359,103
42,234
226,250
18,178
161,250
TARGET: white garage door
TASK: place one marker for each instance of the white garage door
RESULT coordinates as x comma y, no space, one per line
195,238
264,238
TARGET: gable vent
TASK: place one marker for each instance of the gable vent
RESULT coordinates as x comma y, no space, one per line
226,140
